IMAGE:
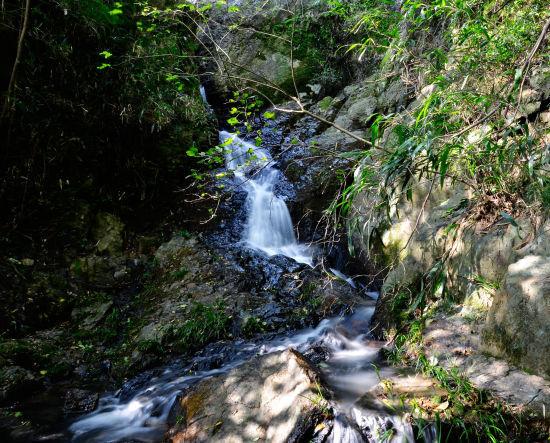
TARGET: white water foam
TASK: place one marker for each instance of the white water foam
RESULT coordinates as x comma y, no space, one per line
348,370
269,225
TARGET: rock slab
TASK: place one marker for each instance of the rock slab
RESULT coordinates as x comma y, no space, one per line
269,398
518,324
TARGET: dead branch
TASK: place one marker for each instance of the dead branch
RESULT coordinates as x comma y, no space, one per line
11,85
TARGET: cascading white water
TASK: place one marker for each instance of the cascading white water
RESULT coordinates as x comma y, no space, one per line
144,415
203,94
269,225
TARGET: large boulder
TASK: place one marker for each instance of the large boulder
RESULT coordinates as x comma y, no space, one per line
518,324
90,318
273,398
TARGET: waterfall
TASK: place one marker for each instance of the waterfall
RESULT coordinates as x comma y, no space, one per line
203,94
141,411
268,226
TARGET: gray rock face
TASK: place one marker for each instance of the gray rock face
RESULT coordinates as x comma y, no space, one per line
456,342
177,244
518,324
540,81
499,274
362,101
270,398
244,56
91,317
108,233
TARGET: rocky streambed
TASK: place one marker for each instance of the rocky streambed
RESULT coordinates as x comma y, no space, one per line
206,320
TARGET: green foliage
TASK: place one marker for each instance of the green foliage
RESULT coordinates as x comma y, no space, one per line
101,136
206,323
150,346
252,326
179,274
33,355
183,233
475,70
470,414
245,110
321,402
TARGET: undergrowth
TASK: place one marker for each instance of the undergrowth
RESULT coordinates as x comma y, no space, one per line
467,413
476,125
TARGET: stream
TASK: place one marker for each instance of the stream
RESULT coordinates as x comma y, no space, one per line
142,408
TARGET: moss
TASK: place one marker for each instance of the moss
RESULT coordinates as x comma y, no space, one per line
325,103
102,335
32,355
150,346
193,404
92,299
506,341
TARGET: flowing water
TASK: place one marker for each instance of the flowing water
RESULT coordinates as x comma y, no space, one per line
141,409
269,226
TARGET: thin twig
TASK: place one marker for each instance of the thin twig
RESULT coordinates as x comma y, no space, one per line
11,85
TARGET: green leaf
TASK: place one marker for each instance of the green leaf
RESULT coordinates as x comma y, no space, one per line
449,228
104,65
444,163
513,222
106,54
233,121
192,151
115,11
269,115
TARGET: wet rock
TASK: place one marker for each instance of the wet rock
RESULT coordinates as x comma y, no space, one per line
267,398
15,381
374,424
140,361
90,317
318,354
80,400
